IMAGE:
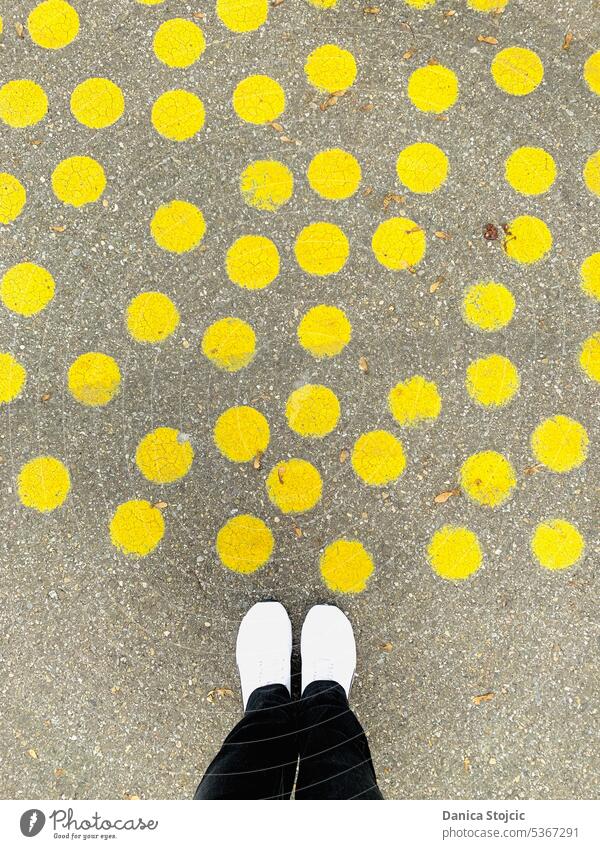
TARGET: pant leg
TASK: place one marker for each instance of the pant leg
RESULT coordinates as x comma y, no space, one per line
258,758
335,760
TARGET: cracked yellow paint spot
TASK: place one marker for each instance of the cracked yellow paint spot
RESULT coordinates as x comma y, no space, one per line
53,24
488,478
378,457
591,72
422,167
178,43
591,173
330,68
414,400
43,484
530,170
527,239
23,103
12,198
178,115
26,288
334,174
266,184
398,243
312,410
97,103
294,486
164,455
78,180
12,378
322,248
557,544
136,528
589,274
244,544
433,88
241,434
489,306
258,99
560,443
589,357
94,379
252,262
242,15
454,553
324,331
230,344
492,381
178,226
517,70
152,317
346,566
487,5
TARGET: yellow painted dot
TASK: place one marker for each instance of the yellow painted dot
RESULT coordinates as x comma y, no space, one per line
488,306
517,70
78,180
557,544
334,174
454,553
590,276
324,331
422,167
258,99
323,4
229,344
433,88
322,248
178,43
12,378
487,5
23,103
152,317
43,484
97,103
26,288
53,24
330,68
241,434
178,226
591,72
150,2
136,528
591,173
527,239
244,544
378,457
560,443
492,381
243,15
398,243
266,184
178,115
12,198
94,379
252,262
420,4
164,455
589,357
294,486
346,566
530,170
414,400
488,478
312,410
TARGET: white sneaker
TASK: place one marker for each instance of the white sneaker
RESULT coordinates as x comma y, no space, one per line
264,648
327,647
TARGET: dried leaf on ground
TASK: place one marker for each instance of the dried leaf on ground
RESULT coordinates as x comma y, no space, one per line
344,455
219,693
160,505
532,470
19,29
386,646
567,40
442,497
442,234
363,365
392,197
32,754
436,284
484,697
58,228
487,39
490,232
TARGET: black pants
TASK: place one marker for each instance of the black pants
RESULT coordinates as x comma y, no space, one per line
259,757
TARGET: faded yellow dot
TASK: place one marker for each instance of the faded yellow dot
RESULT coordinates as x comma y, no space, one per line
178,43
78,180
378,457
323,4
164,455
312,410
330,68
530,170
334,174
420,4
527,239
492,381
324,331
12,378
591,72
398,243
26,288
560,443
94,379
258,99
294,486
488,478
150,2
590,276
53,24
414,400
23,103
244,544
422,167
346,566
97,103
136,528
242,15
433,88
591,173
178,226
322,248
488,306
229,344
487,5
43,484
152,317
517,70
454,553
266,184
12,198
557,544
252,262
178,115
241,434
589,357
